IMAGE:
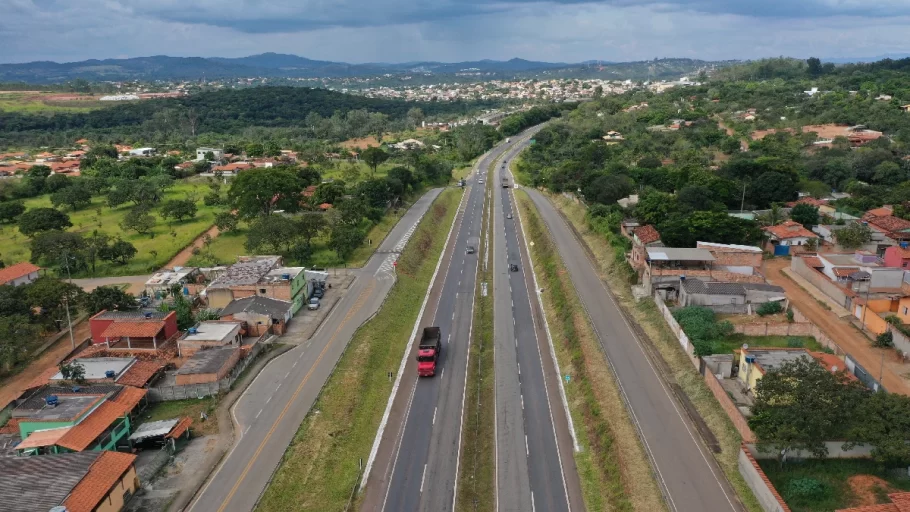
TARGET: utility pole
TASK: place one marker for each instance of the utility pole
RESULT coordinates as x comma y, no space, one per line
742,204
66,301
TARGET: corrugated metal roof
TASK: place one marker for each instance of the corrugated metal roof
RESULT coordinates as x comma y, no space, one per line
678,254
154,429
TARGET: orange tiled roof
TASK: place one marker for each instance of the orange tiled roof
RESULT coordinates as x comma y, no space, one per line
132,329
813,261
808,200
16,271
42,438
139,374
129,397
845,271
102,475
81,436
890,223
790,229
44,377
180,428
647,234
11,427
879,212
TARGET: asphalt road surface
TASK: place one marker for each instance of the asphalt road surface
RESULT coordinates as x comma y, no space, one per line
686,469
417,464
273,407
534,460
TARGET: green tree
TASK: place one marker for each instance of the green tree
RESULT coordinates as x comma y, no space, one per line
226,222
74,196
351,211
36,220
885,426
274,233
344,239
10,211
56,182
256,192
108,297
309,225
718,227
415,117
47,246
119,252
814,66
805,214
12,301
772,187
889,174
178,209
94,244
72,371
255,150
608,189
800,405
374,156
329,193
51,295
139,220
853,236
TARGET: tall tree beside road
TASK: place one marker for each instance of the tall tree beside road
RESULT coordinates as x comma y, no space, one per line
109,298
345,238
119,252
47,247
374,156
256,192
51,295
139,220
178,209
37,220
274,233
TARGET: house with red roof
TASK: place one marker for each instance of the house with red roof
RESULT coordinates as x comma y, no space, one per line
19,274
894,229
133,330
642,238
789,233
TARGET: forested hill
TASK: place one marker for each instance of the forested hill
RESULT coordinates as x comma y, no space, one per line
227,111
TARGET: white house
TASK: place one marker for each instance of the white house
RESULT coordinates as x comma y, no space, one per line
19,274
200,153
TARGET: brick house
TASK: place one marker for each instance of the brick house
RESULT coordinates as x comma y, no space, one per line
262,276
19,274
642,238
789,233
260,314
133,329
740,259
209,365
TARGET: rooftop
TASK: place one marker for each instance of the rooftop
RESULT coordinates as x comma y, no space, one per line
82,435
133,329
107,470
154,429
141,372
890,223
68,408
259,305
35,401
846,260
213,331
678,254
769,359
41,483
696,286
16,271
96,367
647,234
245,272
170,277
42,438
711,246
790,229
136,316
206,361
281,274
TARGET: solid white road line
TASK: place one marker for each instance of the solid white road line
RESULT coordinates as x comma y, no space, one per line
424,477
527,450
435,409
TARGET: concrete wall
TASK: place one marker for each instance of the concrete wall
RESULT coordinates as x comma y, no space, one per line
739,421
756,479
901,341
835,451
819,280
687,347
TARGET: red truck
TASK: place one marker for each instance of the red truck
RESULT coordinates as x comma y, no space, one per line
428,351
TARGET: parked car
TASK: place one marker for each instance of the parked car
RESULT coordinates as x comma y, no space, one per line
313,305
318,292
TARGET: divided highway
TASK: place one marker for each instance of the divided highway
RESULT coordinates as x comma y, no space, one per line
686,470
270,411
416,465
535,465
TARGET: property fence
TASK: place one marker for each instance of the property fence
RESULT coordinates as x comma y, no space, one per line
768,497
739,421
820,281
183,392
687,346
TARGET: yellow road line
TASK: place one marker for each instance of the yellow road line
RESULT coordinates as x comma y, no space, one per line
357,305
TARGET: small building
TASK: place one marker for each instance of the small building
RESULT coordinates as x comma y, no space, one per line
754,363
665,265
694,292
897,257
209,334
101,368
162,281
142,152
262,276
19,274
209,365
789,234
217,154
739,259
642,238
133,329
261,314
79,482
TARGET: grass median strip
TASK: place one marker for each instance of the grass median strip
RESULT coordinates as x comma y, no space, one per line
615,272
477,469
614,470
321,466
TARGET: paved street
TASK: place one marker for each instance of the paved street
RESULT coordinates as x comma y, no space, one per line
686,469
272,408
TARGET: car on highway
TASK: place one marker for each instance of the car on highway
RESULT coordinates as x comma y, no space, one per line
469,250
480,181
509,216
513,267
313,304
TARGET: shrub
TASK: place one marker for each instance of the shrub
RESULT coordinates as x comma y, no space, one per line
769,308
884,340
702,328
790,316
805,489
795,343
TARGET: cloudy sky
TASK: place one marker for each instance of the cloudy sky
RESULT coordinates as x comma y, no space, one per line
452,30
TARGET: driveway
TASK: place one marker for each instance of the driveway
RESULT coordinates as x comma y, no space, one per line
136,283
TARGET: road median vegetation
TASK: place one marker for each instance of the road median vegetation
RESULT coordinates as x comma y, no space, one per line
612,465
321,467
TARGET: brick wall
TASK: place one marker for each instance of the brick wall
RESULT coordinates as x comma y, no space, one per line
819,280
739,421
761,486
801,326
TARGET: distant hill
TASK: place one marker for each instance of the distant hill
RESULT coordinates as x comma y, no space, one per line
162,67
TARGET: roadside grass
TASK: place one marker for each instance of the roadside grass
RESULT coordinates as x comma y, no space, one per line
645,314
837,490
365,172
191,408
380,230
223,250
31,103
321,466
736,341
166,240
614,470
477,473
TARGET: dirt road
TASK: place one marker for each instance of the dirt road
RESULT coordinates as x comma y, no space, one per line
842,332
184,256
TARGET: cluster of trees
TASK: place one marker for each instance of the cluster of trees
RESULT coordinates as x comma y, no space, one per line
515,123
77,252
28,311
801,405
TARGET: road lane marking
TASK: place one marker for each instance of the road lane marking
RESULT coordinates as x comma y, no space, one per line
443,374
258,413
270,399
523,403
286,374
527,450
424,477
354,309
435,409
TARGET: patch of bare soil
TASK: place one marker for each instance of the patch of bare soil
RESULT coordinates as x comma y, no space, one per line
867,488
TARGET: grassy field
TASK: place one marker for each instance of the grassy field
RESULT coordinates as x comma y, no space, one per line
320,468
191,408
154,250
365,172
41,102
825,485
614,470
477,471
736,341
645,313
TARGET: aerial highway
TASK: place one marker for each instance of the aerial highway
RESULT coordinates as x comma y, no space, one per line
270,411
686,470
535,465
418,456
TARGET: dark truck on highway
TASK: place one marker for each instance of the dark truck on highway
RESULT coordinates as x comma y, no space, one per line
428,351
